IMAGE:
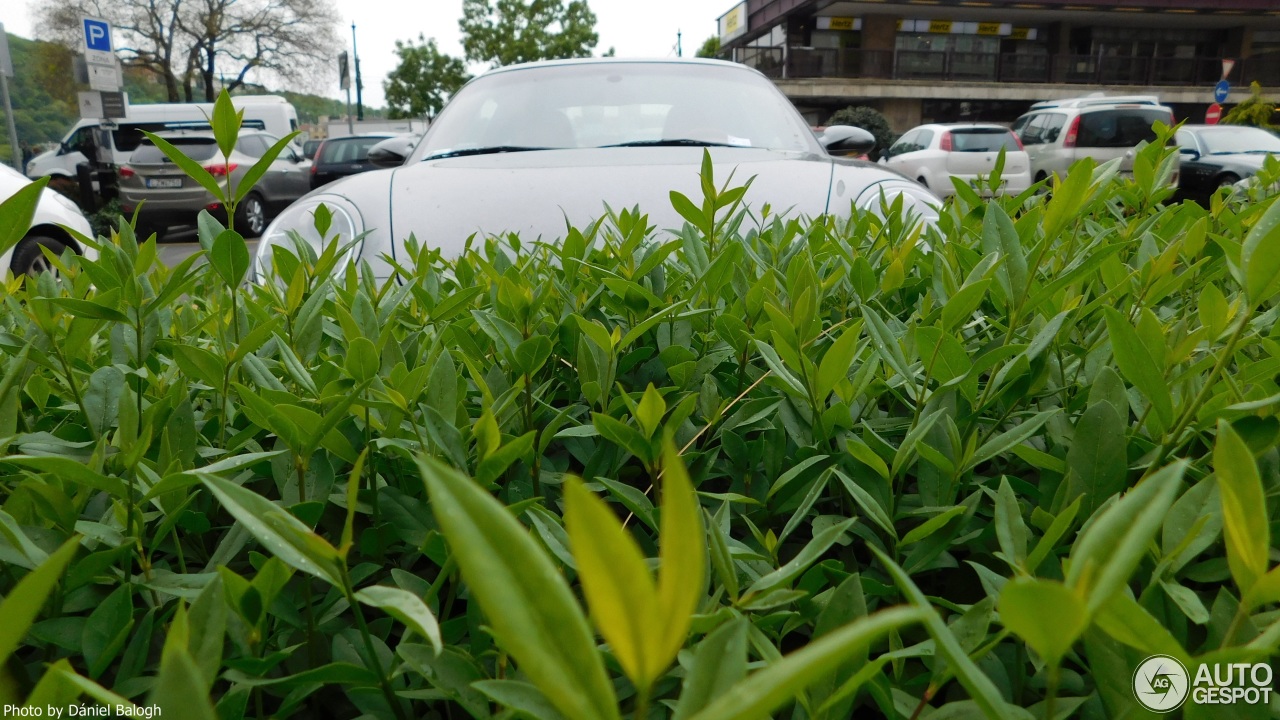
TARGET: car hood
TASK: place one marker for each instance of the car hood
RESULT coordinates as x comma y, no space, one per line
443,202
1252,160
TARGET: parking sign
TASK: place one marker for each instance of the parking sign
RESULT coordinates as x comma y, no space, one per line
97,42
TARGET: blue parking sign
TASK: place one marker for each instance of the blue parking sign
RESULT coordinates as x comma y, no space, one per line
97,35
1220,91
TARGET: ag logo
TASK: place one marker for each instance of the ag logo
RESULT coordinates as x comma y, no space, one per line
1161,683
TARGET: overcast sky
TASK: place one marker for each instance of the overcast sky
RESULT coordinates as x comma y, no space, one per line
635,28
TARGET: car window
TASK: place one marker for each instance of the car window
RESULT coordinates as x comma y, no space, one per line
983,140
252,145
1053,124
904,144
1020,123
196,148
1236,139
923,140
1119,128
594,105
129,136
1033,131
348,150
1185,139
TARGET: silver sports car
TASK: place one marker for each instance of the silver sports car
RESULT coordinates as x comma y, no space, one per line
531,148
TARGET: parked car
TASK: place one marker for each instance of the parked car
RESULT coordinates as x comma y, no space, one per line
55,213
1057,133
164,196
935,153
309,149
528,148
1215,156
343,156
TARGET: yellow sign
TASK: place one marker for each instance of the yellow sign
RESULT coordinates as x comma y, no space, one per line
939,26
989,28
842,23
1020,34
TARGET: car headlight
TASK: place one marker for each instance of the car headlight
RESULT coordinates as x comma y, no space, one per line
917,202
295,230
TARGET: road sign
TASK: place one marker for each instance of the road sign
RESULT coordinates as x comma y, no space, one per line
90,104
97,42
344,71
105,77
1220,91
1227,64
1213,114
114,105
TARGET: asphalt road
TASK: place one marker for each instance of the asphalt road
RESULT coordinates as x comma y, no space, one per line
180,243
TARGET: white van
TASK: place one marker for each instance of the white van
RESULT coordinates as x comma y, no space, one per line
270,112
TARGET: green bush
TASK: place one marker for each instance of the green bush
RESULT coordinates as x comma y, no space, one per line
868,119
984,477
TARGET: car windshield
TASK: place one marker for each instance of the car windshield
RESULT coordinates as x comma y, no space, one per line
983,140
611,104
1120,128
348,150
1235,139
196,148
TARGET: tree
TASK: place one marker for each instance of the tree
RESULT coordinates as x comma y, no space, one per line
193,44
506,32
710,47
868,119
423,80
1256,111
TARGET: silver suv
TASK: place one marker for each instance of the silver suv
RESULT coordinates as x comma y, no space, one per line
1056,133
164,196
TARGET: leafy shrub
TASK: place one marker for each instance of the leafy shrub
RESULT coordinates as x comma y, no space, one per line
985,478
869,119
1256,111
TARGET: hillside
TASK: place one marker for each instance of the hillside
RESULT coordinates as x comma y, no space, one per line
43,93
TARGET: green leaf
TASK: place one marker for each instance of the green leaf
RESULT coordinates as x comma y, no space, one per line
932,525
1137,365
682,557
1098,457
73,470
763,692
280,532
649,410
780,370
886,343
1049,541
529,605
811,553
1024,605
102,400
980,687
405,607
16,213
619,590
837,361
1008,439
963,303
1125,620
200,364
1244,508
179,689
1110,548
719,663
1000,236
362,360
23,603
230,257
107,630
1011,530
519,696
1260,257
225,122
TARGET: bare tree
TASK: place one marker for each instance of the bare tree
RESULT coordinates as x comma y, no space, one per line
194,44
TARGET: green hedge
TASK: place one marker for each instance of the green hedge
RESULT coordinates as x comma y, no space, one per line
979,473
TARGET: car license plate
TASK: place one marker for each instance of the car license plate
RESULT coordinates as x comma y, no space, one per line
164,182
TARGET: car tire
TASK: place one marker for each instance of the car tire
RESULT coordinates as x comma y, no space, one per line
251,216
144,231
922,181
28,258
1227,180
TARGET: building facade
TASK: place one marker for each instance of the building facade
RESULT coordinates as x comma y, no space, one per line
956,60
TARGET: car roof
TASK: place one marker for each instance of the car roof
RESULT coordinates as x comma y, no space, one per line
710,62
1091,101
963,125
362,136
202,133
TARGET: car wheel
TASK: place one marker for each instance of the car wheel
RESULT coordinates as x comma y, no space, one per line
28,259
145,231
922,181
1227,180
251,216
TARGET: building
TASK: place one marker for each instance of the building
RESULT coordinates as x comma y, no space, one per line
955,60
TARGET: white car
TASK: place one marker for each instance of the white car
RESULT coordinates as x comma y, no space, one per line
54,214
933,154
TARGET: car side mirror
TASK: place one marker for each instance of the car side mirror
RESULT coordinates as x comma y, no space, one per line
1189,153
845,140
392,152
